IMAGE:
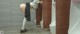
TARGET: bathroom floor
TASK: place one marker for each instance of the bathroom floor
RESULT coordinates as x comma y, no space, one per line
16,30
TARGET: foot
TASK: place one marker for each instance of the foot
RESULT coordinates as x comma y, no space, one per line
23,31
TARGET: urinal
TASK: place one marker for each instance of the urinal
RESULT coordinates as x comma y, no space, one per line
53,22
41,24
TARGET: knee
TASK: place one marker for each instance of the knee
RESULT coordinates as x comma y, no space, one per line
22,5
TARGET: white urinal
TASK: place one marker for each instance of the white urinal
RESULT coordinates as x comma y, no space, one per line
53,22
41,23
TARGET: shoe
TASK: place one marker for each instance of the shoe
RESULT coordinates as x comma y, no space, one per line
23,31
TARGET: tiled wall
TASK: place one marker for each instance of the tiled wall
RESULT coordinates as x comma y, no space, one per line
10,14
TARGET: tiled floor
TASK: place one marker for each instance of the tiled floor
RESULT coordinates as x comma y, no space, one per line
16,30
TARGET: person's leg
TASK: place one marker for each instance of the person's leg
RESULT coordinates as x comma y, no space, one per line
22,7
24,23
23,29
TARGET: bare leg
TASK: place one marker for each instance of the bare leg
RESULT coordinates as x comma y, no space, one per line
22,7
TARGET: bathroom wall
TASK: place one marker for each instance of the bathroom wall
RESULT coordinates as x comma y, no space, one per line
74,26
5,18
10,14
